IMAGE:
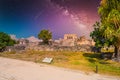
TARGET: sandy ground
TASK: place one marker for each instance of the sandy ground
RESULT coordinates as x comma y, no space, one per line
11,69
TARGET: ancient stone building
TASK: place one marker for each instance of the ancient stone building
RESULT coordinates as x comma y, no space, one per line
84,41
69,40
23,41
33,41
70,37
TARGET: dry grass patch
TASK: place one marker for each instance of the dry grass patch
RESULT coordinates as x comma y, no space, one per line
73,60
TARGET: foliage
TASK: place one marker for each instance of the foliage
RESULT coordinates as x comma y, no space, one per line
5,40
45,35
110,20
97,36
108,30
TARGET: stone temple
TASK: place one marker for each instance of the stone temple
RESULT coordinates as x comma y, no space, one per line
70,37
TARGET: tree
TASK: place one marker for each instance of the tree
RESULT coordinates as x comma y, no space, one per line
45,35
109,28
5,40
97,36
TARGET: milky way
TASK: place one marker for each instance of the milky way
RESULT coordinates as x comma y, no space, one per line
82,12
60,16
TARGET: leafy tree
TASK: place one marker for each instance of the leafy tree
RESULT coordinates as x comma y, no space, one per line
97,36
5,40
45,35
109,27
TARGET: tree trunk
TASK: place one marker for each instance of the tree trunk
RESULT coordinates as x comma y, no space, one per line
118,55
117,52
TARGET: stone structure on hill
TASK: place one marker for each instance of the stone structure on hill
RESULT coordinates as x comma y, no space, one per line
70,42
84,41
23,41
33,42
32,39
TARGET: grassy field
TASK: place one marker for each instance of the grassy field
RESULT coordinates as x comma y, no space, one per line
74,60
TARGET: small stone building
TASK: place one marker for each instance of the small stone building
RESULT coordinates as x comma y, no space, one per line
70,37
33,41
84,41
23,41
69,40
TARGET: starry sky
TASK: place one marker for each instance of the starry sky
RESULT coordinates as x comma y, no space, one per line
25,18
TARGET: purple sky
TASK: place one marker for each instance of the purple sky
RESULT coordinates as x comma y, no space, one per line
25,18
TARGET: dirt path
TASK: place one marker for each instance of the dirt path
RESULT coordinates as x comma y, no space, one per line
11,69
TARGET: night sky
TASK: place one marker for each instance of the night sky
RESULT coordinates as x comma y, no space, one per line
25,18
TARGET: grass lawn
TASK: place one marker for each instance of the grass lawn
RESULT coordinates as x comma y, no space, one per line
74,60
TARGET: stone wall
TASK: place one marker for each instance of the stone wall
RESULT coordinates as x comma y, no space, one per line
38,47
15,48
83,48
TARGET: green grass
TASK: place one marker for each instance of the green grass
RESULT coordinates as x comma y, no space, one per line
74,60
